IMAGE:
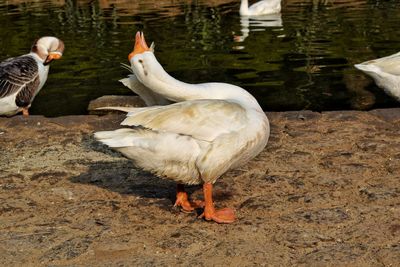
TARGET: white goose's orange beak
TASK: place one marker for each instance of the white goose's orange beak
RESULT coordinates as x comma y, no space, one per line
140,45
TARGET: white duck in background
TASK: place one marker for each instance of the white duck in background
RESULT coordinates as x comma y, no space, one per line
212,128
386,73
21,78
260,8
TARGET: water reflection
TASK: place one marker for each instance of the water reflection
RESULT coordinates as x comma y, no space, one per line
300,59
257,23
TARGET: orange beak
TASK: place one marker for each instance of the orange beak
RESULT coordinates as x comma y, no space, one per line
54,55
140,45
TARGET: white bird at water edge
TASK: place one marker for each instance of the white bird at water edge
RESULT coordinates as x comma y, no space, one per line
212,127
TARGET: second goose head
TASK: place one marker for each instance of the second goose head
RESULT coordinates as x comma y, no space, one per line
48,48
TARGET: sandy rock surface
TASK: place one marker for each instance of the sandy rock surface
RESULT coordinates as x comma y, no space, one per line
325,192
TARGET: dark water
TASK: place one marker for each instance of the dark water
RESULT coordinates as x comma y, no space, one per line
302,59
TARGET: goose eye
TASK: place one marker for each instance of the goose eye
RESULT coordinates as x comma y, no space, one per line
144,70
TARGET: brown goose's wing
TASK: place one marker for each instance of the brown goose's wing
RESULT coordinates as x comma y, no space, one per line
20,74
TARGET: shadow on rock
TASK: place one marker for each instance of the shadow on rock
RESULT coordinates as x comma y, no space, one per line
124,178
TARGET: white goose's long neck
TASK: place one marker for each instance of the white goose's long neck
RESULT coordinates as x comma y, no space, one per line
244,7
173,89
156,78
159,81
36,57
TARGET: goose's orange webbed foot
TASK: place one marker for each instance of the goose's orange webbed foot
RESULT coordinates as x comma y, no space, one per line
225,215
186,205
182,200
25,112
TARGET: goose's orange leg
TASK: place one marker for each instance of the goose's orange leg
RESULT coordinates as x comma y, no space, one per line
25,112
182,200
225,215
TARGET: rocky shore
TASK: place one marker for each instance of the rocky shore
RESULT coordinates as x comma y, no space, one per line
324,192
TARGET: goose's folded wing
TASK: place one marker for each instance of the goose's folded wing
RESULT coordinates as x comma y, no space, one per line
201,119
19,74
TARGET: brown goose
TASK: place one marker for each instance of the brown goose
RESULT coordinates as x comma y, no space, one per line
21,78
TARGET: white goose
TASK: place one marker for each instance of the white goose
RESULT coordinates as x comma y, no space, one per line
386,73
212,128
21,78
260,8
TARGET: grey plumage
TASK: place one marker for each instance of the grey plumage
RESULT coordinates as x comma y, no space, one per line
21,78
20,74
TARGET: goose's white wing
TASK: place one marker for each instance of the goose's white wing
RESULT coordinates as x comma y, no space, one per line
202,119
189,141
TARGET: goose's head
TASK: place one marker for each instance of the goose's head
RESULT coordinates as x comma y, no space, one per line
48,48
142,59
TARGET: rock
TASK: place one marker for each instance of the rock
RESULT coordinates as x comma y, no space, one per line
113,101
324,192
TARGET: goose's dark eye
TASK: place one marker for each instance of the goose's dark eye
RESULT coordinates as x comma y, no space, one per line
144,70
